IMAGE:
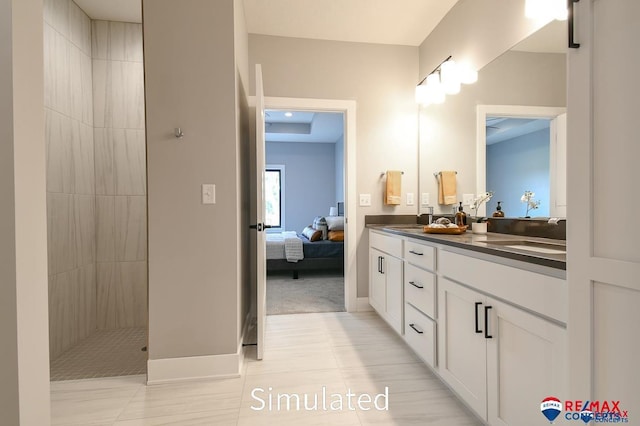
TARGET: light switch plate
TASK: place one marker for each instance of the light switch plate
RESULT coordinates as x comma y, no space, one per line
409,198
425,201
365,200
467,199
208,193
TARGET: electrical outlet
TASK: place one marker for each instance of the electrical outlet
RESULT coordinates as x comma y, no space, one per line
425,199
365,200
409,198
467,199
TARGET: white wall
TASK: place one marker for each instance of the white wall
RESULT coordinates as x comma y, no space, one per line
448,130
24,366
381,79
310,180
195,250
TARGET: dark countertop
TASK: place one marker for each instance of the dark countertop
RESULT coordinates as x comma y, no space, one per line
490,243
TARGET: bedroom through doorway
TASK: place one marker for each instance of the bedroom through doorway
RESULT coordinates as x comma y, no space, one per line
304,198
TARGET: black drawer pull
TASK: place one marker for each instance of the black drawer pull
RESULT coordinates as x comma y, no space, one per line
415,285
416,329
486,322
477,322
416,253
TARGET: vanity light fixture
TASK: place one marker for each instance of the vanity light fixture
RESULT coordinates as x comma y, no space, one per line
444,80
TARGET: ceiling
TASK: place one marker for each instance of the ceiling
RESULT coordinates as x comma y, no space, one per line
112,10
403,22
500,129
303,126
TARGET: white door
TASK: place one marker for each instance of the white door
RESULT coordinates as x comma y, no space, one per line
603,148
261,266
462,346
524,349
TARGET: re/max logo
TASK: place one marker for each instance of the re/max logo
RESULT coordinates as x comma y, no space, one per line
595,406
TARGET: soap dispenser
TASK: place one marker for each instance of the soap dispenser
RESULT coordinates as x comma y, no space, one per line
498,212
461,216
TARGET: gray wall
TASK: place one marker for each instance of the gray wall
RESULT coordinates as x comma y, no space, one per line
120,170
339,155
68,110
310,180
517,165
382,79
24,370
195,250
449,129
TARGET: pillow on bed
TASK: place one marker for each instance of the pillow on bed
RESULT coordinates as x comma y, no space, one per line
336,235
318,222
335,223
312,234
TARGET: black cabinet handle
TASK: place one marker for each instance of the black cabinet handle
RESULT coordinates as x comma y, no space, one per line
477,321
415,285
379,264
382,264
417,330
486,322
570,23
416,253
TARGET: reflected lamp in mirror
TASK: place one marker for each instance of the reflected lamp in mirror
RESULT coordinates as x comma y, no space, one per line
446,79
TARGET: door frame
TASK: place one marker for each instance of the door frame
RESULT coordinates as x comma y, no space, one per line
348,108
513,111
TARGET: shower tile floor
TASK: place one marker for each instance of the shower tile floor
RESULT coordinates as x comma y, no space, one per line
106,353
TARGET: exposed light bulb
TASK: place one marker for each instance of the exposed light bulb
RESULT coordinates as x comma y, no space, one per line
467,74
422,95
546,9
450,77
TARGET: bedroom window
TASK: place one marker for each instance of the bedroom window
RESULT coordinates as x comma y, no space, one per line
274,196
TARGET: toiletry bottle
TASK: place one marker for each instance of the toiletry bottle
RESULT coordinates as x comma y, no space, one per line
498,212
461,216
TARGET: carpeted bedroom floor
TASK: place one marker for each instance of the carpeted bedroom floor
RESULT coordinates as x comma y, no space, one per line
321,291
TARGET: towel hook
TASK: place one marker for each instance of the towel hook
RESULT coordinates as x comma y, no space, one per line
178,133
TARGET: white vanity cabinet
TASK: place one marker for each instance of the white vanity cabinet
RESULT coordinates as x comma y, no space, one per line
385,278
420,299
501,358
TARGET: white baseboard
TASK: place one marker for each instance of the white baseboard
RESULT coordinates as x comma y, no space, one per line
193,368
363,305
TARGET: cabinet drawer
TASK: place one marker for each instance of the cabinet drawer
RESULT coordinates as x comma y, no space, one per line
420,254
420,289
420,334
388,244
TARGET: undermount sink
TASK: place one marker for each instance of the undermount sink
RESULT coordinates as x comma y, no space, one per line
533,246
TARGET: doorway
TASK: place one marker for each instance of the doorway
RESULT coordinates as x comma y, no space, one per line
551,120
304,202
347,109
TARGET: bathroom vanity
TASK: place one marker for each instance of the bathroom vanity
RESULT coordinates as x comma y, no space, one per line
487,313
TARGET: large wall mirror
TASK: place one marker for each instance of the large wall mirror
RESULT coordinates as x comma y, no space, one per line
524,89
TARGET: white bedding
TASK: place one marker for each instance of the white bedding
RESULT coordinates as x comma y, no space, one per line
285,245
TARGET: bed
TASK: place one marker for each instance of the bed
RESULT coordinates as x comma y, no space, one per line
317,255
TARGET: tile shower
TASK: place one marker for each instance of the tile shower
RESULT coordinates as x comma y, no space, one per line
96,189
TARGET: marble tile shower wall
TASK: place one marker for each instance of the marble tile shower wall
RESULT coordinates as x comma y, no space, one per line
70,174
96,189
120,174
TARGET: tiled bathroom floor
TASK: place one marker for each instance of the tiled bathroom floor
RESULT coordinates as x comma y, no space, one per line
106,353
303,353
